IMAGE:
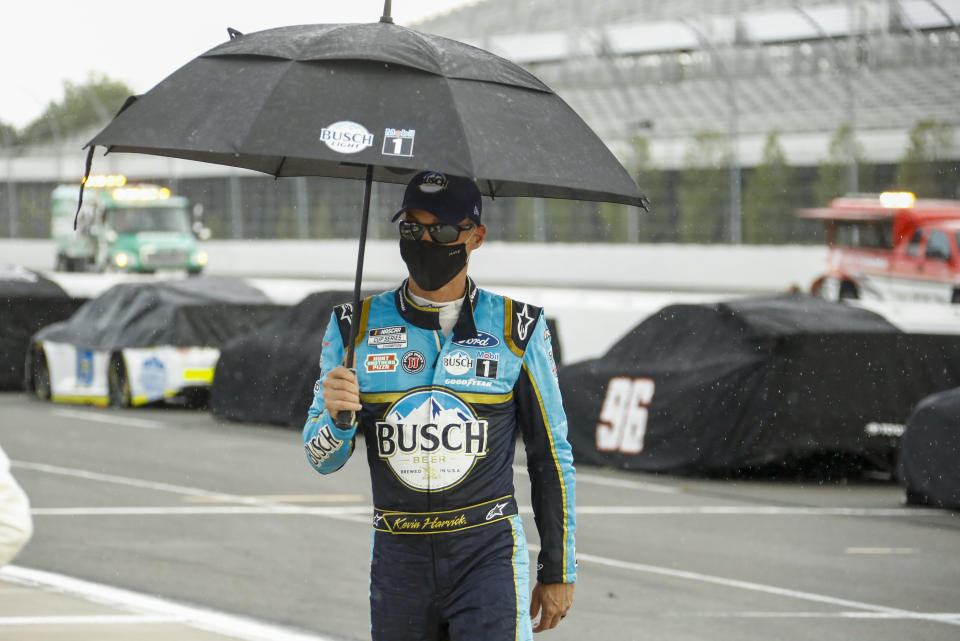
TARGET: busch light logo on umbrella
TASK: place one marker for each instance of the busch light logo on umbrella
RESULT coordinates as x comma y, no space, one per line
346,137
431,439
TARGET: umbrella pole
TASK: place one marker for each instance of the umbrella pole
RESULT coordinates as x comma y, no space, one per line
344,419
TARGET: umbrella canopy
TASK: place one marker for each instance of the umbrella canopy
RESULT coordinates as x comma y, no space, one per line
337,99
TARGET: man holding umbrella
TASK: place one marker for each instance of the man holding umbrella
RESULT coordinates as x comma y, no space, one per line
446,376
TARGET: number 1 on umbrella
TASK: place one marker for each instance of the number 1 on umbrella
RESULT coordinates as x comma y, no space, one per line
398,142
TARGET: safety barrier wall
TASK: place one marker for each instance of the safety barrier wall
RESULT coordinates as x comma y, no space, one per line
760,269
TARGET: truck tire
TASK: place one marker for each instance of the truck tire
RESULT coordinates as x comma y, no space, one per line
955,298
848,291
40,374
118,384
62,264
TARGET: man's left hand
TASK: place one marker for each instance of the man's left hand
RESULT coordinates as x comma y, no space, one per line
552,600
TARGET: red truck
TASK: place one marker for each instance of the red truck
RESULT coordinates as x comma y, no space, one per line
892,246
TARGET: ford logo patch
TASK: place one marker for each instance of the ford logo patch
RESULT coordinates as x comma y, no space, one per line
482,339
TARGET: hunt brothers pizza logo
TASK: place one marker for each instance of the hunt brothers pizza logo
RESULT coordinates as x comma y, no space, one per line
431,439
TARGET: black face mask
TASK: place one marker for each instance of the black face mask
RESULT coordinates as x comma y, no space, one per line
431,265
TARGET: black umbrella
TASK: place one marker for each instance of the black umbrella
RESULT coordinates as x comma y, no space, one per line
374,101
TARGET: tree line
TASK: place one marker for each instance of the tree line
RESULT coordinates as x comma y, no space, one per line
690,205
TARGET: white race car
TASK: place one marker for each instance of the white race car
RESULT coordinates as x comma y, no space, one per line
140,343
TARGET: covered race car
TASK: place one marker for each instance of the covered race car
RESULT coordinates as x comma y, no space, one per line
929,463
28,301
267,375
139,343
752,383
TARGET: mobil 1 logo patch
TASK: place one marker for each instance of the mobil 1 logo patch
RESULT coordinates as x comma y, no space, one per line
487,364
398,142
413,362
394,337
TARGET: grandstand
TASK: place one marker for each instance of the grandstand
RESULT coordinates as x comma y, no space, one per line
662,71
666,69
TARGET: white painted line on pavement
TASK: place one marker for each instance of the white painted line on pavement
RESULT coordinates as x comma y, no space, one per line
760,587
755,510
182,490
352,513
602,510
213,510
93,619
232,626
933,616
95,417
597,479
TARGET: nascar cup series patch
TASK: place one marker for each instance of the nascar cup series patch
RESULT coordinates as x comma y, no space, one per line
394,337
431,439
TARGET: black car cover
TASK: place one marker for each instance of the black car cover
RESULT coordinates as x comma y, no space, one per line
706,389
929,462
267,375
28,301
201,312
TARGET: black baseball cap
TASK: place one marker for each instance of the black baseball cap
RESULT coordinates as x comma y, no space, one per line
449,198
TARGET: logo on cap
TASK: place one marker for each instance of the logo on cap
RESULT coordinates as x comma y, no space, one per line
433,182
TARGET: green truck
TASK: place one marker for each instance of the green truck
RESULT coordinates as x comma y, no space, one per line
126,228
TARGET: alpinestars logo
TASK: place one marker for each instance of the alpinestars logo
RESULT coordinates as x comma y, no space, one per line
496,511
431,439
523,323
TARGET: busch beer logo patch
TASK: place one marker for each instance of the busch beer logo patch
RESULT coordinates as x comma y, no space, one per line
431,439
381,363
457,363
413,362
388,337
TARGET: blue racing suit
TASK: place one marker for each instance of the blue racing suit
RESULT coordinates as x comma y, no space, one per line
440,419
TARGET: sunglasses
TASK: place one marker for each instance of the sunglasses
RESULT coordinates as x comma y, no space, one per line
439,232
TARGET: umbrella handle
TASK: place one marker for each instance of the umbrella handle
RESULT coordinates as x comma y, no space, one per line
345,419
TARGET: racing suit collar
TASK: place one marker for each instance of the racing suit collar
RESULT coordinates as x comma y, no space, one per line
429,317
